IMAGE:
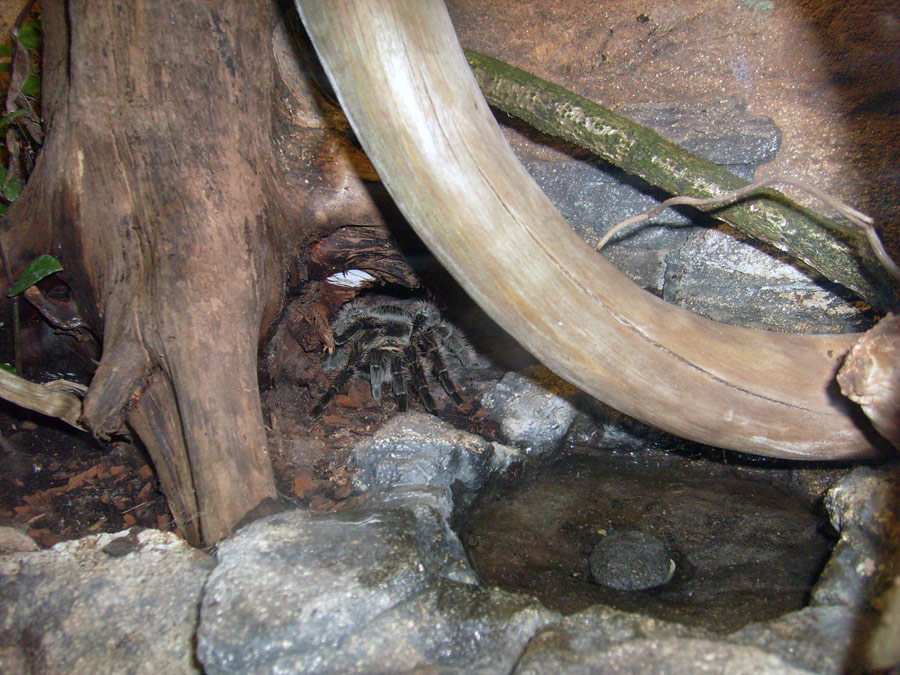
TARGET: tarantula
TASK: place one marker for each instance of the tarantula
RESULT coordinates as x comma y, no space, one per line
401,342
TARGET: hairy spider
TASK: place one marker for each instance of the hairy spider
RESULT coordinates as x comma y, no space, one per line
402,342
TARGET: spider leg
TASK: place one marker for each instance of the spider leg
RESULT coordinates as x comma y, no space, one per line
335,386
440,368
359,316
398,383
419,380
348,352
365,323
394,327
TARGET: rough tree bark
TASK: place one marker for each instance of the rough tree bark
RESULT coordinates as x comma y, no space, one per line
159,189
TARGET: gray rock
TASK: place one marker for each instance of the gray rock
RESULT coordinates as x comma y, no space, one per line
595,196
602,640
440,548
569,644
13,541
709,270
534,410
603,427
418,455
862,506
290,588
864,500
76,609
461,628
386,587
720,274
722,132
360,591
817,638
848,574
631,561
744,550
685,656
831,631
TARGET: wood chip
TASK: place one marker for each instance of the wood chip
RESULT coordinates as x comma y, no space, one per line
345,401
78,480
144,493
303,483
335,419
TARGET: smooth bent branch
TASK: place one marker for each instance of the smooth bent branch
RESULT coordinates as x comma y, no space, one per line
404,83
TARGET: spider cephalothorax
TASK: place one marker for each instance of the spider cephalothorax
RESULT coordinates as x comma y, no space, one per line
403,343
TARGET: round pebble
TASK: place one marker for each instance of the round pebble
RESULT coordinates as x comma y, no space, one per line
631,561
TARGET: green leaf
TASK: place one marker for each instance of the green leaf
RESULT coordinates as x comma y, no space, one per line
12,188
30,34
5,50
11,117
5,67
8,368
31,86
39,268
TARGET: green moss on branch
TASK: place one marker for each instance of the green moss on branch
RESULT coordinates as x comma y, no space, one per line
840,253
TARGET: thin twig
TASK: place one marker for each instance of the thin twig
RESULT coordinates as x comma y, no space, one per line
133,508
860,220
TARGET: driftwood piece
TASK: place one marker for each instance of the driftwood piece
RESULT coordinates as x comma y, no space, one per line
870,376
410,95
155,188
369,248
181,183
55,399
839,252
63,315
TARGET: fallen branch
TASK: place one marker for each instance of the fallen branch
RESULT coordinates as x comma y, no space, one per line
861,220
837,251
55,399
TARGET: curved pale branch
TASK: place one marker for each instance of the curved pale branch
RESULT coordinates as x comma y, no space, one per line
406,87
56,399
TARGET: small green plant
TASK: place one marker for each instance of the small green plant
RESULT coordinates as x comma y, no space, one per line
22,129
39,268
20,123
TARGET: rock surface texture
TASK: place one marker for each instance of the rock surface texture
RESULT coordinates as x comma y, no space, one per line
685,256
386,587
110,603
